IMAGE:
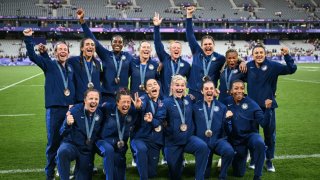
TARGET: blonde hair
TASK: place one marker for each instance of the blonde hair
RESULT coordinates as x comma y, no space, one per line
176,78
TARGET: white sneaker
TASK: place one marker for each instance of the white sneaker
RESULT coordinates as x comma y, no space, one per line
251,166
94,169
269,166
163,162
184,163
133,163
219,163
248,157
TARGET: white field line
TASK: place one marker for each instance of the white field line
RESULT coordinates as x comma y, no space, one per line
11,85
302,156
15,115
299,80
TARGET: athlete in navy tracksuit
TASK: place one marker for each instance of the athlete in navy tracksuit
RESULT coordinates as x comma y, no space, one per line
229,74
243,116
79,132
115,64
210,128
59,94
147,139
179,138
206,63
86,69
142,68
118,125
172,64
262,77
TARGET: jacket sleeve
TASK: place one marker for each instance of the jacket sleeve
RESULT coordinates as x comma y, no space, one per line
159,45
193,44
39,60
289,68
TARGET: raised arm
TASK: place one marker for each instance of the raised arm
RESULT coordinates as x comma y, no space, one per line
157,37
193,44
290,67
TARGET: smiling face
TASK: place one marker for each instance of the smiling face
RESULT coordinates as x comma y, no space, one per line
208,91
258,55
232,59
207,45
178,86
145,50
91,101
175,50
152,89
117,43
88,48
237,91
61,52
123,104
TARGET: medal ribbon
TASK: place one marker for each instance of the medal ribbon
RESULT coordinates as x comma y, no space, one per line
143,73
228,79
89,132
175,72
116,65
65,79
89,75
182,116
208,121
120,132
206,68
152,107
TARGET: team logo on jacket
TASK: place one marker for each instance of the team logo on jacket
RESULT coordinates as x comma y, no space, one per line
96,117
160,104
213,58
186,102
129,118
181,64
151,67
216,108
235,71
123,57
244,106
264,67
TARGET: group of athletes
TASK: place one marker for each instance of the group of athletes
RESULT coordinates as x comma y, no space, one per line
90,109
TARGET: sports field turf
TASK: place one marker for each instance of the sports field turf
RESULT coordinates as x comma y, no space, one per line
23,133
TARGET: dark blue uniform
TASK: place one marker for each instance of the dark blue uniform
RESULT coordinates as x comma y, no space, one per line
75,144
109,85
243,133
146,140
81,78
56,102
226,78
150,73
114,158
262,85
197,72
217,143
165,58
177,141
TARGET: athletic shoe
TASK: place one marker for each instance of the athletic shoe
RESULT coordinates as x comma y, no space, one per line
219,163
184,163
251,166
269,166
163,162
133,163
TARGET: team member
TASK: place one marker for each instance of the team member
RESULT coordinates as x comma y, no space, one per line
262,79
209,118
147,139
206,63
243,116
142,69
115,63
179,138
79,132
172,64
229,74
86,68
115,132
59,94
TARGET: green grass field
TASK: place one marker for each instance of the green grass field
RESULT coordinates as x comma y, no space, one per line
23,133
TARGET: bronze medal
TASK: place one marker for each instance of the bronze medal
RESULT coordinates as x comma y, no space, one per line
66,92
90,85
120,144
88,142
208,133
205,78
183,127
117,80
158,129
141,87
